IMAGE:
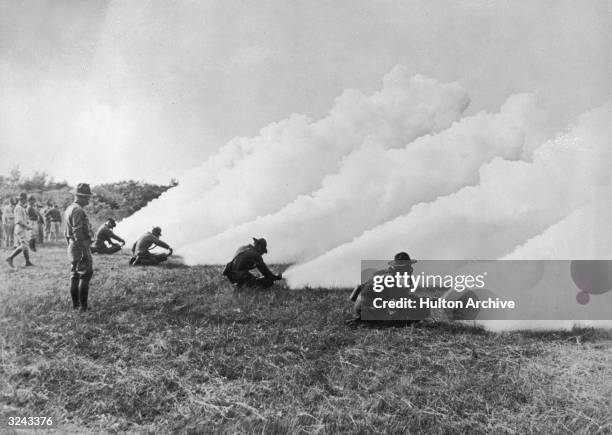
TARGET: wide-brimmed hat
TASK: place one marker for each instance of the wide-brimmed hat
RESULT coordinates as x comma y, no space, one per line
83,189
401,259
262,243
23,196
111,222
156,231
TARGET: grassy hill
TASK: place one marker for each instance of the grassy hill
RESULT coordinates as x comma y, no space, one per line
176,349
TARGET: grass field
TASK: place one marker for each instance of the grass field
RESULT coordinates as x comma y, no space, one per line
175,349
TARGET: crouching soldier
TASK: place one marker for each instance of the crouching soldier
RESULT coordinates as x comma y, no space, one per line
78,235
104,239
246,259
141,249
364,294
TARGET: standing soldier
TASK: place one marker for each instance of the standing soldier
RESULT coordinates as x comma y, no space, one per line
34,218
8,222
78,235
55,219
22,232
47,221
106,235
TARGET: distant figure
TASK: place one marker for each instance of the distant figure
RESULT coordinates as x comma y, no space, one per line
246,259
364,292
34,218
22,232
104,239
8,222
47,221
141,249
54,217
78,236
41,224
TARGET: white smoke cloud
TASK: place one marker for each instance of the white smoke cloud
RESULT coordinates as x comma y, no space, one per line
251,177
582,235
514,201
375,184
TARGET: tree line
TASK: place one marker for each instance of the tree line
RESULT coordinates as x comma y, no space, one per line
117,200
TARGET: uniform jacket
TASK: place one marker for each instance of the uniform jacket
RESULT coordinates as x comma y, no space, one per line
77,225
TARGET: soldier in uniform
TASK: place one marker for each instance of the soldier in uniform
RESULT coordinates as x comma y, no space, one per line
247,258
8,222
54,216
46,220
363,294
141,249
34,218
22,232
104,239
78,236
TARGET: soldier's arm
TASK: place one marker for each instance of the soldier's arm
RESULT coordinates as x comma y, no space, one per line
356,292
265,271
164,245
116,237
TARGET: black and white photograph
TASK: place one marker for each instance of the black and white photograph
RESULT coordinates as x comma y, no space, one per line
305,217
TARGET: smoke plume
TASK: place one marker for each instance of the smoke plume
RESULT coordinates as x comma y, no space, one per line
375,184
514,201
251,177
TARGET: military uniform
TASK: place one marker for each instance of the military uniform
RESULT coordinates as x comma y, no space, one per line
78,235
103,236
141,250
8,224
245,259
21,233
364,295
54,217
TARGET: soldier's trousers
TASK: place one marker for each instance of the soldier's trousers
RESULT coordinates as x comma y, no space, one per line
104,249
81,272
247,279
9,229
148,259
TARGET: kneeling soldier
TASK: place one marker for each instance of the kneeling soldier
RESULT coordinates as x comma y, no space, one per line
104,239
141,254
246,259
364,293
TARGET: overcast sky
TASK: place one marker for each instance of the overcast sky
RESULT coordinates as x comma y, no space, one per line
110,90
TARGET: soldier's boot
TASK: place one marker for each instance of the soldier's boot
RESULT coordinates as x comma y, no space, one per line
74,291
26,254
83,292
10,258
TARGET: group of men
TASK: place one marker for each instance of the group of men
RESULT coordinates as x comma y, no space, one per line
44,222
81,246
80,243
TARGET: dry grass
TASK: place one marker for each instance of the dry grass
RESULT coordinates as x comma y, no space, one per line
175,349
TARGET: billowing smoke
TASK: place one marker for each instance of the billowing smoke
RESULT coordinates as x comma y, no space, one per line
513,202
257,176
402,169
375,184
